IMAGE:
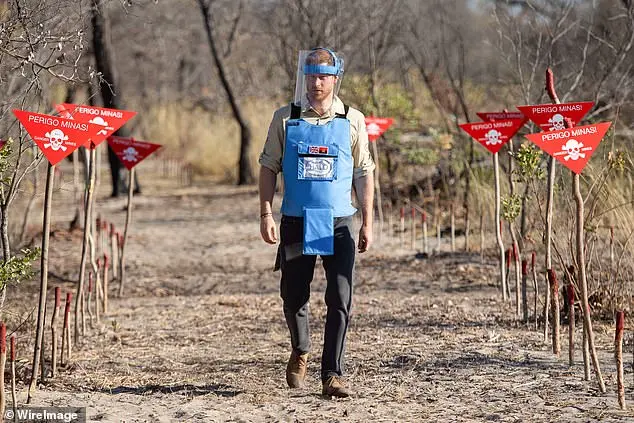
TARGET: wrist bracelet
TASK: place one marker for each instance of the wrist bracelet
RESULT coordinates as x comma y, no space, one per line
266,214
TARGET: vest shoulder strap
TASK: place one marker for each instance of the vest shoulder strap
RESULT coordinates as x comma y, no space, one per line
345,114
296,111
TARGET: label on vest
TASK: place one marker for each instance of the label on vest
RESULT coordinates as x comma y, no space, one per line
317,168
318,149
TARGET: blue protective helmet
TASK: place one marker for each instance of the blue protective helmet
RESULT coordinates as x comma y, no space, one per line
336,69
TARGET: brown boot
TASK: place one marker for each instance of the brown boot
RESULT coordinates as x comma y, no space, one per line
296,370
334,387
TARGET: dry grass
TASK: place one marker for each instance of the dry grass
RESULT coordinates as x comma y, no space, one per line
609,203
211,143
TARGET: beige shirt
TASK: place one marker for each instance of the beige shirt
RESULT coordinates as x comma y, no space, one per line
271,156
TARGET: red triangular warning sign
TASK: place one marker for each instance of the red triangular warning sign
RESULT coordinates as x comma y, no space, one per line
130,151
376,126
571,147
110,120
493,135
63,111
552,117
55,136
491,116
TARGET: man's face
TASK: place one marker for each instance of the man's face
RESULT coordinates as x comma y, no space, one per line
320,87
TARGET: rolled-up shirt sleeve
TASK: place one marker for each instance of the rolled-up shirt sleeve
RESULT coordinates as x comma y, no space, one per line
271,156
363,163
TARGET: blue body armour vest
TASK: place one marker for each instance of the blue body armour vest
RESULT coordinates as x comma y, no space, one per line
317,169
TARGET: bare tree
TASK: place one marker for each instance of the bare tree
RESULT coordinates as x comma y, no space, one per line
109,84
39,48
439,44
245,173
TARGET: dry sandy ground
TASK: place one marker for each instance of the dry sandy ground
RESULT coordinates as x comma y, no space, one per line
199,335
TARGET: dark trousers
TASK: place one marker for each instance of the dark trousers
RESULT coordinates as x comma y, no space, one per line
297,274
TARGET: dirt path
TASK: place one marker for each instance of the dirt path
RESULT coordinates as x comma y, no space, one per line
199,335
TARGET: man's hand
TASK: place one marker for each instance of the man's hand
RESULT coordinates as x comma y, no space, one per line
268,230
364,188
365,238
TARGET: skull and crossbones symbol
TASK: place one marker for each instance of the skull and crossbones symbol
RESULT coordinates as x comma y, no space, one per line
573,150
493,137
56,140
130,154
557,122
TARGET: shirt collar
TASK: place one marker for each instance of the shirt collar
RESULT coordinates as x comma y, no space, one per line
336,107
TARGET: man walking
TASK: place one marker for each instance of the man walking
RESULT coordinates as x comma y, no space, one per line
321,147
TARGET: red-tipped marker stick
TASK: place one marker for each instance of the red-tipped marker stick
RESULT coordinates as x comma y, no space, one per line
554,286
13,390
106,260
424,227
89,302
114,253
413,228
453,228
618,356
12,347
612,249
3,363
58,300
66,341
402,227
536,289
3,340
524,289
571,321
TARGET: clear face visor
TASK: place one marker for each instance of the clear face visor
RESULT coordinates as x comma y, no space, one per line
304,69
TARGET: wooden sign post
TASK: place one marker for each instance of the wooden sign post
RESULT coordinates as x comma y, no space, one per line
573,147
493,135
57,138
130,152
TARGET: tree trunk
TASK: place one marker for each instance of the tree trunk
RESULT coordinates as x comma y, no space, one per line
109,88
523,217
245,173
377,185
4,229
375,147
